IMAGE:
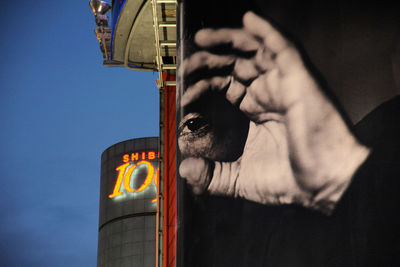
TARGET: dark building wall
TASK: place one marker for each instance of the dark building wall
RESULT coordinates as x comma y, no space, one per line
127,221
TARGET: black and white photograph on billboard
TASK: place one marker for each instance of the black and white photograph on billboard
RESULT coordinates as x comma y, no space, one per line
288,122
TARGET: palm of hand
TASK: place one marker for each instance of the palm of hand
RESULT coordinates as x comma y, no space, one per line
265,174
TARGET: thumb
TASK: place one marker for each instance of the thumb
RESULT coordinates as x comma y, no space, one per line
219,178
197,172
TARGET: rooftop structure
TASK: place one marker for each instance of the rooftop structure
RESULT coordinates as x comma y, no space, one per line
141,35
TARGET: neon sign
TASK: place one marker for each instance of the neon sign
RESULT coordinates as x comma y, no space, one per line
135,156
128,170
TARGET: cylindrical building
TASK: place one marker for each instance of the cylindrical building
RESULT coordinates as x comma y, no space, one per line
128,204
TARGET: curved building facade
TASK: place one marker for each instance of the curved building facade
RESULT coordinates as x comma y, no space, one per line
128,204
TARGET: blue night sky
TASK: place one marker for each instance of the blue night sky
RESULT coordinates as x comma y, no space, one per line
60,109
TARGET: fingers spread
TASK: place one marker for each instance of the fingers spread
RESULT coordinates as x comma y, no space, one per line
286,56
261,28
235,38
195,91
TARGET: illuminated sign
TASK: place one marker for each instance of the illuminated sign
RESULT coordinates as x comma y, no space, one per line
135,156
128,171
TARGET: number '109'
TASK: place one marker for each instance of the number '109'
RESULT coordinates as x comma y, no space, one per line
125,172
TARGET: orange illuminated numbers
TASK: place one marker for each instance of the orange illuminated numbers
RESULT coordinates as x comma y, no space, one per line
147,181
121,171
156,183
125,177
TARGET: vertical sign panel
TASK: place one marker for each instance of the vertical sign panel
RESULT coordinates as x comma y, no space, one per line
269,170
169,160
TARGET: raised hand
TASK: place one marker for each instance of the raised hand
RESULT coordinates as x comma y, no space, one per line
298,148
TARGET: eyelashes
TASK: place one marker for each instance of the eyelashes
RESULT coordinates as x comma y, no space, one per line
196,124
193,124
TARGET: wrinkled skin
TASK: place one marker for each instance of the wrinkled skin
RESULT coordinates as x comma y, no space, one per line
213,129
297,149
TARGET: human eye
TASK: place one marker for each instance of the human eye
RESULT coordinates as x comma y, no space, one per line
193,123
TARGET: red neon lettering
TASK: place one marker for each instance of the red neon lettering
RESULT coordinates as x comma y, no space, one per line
152,155
121,173
134,156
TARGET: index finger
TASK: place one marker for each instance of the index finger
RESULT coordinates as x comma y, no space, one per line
203,59
195,91
273,38
235,38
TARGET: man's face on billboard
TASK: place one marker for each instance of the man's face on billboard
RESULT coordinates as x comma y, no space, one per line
212,128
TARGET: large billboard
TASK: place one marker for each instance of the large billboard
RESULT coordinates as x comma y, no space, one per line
272,170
